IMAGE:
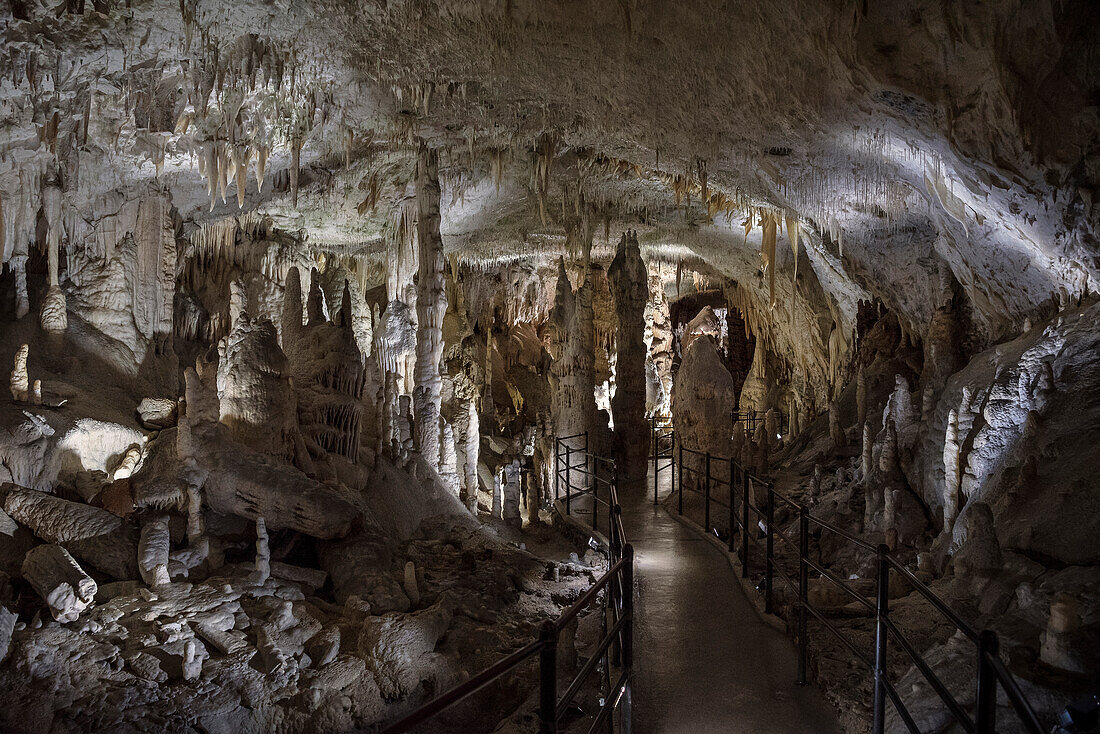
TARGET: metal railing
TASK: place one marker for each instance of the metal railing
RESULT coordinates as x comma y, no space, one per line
750,420
749,521
664,448
615,588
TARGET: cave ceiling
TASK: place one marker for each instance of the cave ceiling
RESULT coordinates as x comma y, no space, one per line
910,140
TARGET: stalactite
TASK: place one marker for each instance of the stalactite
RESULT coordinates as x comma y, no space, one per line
793,232
767,254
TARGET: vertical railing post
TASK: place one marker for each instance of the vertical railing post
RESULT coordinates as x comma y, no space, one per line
548,678
745,486
803,588
568,480
656,460
769,565
680,499
672,461
882,609
986,709
595,490
706,495
614,518
587,452
732,474
557,467
628,606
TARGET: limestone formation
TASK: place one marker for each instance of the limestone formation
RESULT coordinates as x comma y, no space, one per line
20,385
263,552
951,473
157,413
630,292
1060,640
431,305
97,537
59,580
54,317
511,490
861,397
836,431
412,589
153,550
702,393
263,412
865,455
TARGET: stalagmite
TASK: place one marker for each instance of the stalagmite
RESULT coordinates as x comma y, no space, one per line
315,302
36,393
292,309
196,525
431,306
1060,643
448,459
836,432
59,580
20,385
412,589
153,550
295,164
865,456
512,488
630,293
263,553
18,265
498,496
54,317
129,463
771,426
472,448
861,396
888,465
951,472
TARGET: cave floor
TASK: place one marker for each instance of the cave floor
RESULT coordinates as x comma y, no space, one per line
704,661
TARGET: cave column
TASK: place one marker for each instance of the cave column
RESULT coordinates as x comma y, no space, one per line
54,317
431,306
630,293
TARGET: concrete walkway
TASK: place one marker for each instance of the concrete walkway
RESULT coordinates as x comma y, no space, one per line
704,662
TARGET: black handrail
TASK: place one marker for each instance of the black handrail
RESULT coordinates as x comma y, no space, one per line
617,585
740,483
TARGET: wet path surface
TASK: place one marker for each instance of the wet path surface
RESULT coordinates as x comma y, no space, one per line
704,662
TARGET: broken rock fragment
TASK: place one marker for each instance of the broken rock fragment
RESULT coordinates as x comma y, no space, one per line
60,581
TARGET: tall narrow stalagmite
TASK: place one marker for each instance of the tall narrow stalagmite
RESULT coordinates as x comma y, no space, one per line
54,317
431,305
630,292
561,376
20,382
292,309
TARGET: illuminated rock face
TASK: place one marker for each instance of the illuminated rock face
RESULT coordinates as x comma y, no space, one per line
702,396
